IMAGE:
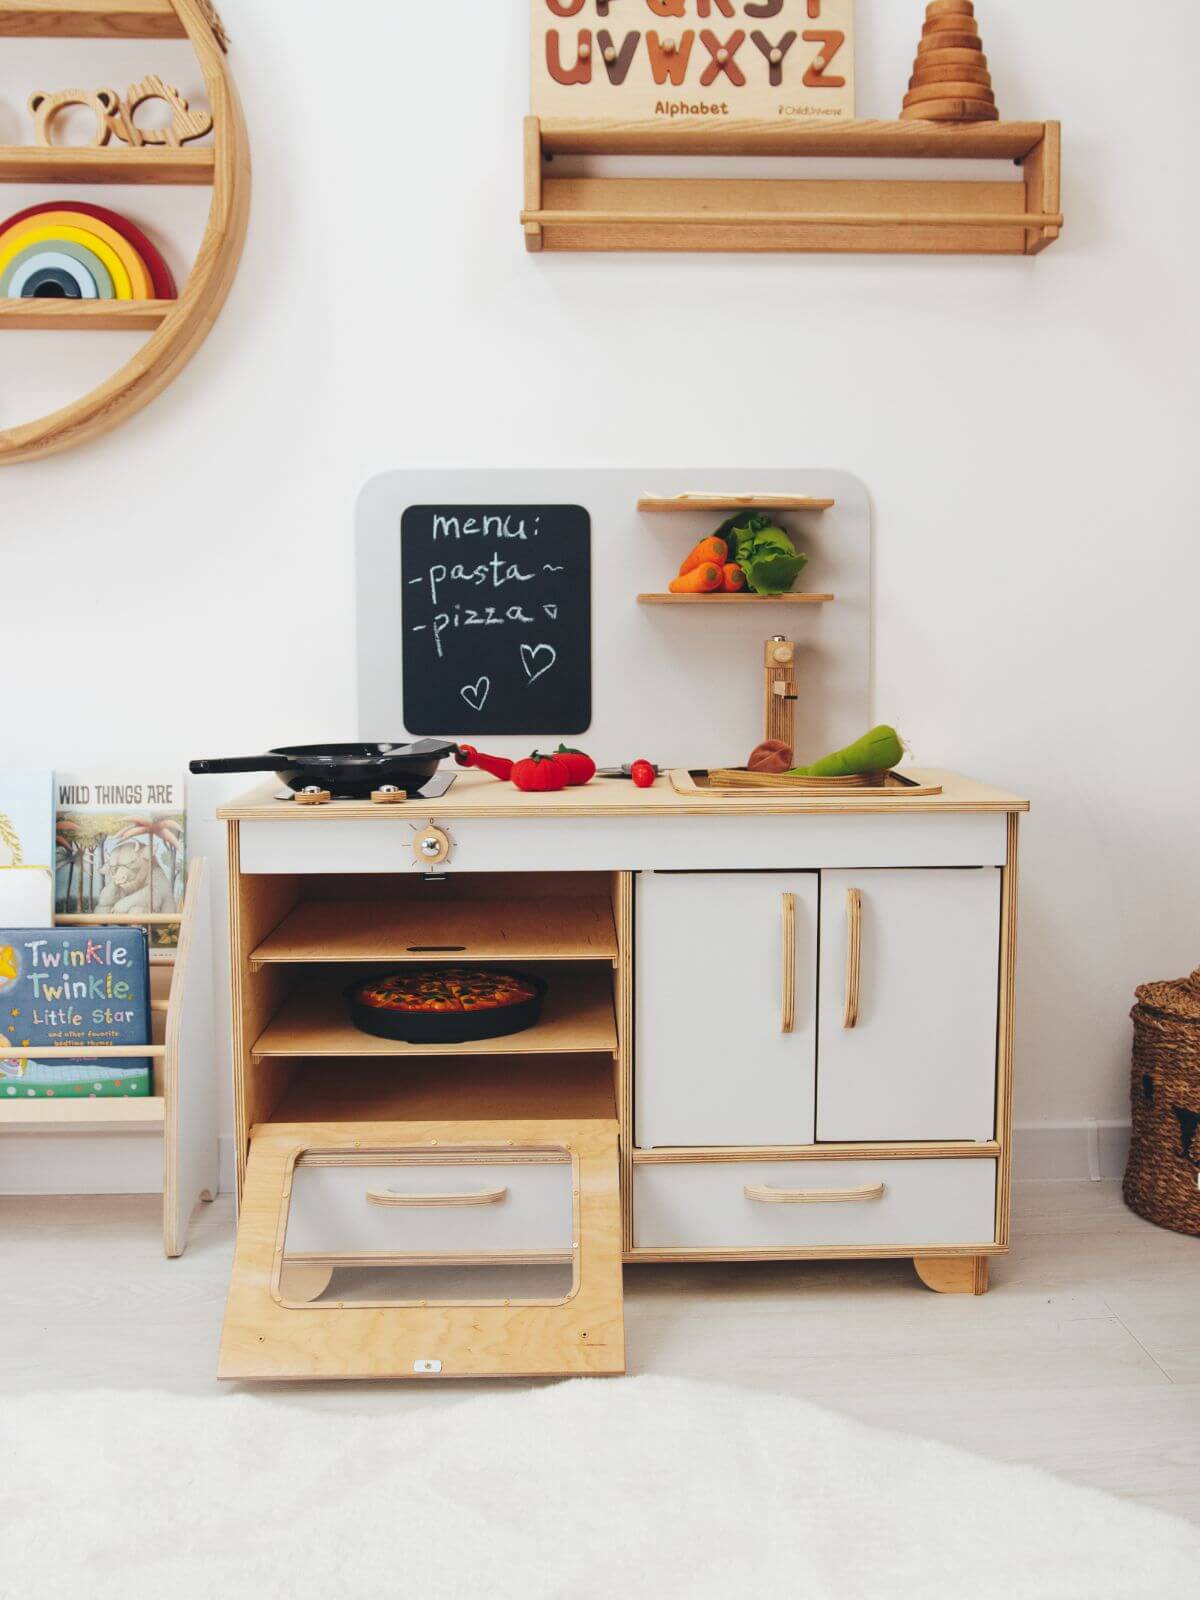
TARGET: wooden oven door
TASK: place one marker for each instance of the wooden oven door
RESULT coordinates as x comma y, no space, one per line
423,1250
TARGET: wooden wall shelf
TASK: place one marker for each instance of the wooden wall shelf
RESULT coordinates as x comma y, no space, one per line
87,164
175,335
733,502
787,214
84,316
90,19
734,599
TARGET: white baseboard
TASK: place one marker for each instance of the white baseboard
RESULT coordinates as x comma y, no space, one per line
118,1164
1065,1152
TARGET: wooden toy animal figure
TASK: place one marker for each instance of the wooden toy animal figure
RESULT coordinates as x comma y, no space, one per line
135,881
186,124
104,103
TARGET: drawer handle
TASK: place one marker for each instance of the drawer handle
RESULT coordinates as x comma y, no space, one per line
789,963
480,1197
853,956
768,1196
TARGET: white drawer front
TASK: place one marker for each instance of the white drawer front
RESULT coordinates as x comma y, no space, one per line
331,1212
629,844
705,1205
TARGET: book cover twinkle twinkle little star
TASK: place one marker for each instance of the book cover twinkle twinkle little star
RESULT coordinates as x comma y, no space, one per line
66,987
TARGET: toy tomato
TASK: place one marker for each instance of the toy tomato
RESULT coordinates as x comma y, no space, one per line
540,774
643,774
581,768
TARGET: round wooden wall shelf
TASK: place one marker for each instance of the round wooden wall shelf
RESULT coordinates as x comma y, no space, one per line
181,325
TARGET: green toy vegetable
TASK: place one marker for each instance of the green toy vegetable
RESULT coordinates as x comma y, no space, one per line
877,751
764,552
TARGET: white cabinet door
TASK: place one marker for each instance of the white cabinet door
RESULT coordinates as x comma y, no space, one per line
910,963
726,1008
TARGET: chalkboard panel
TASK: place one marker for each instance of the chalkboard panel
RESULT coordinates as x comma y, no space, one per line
496,619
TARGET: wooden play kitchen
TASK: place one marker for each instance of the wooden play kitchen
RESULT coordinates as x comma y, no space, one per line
773,1020
410,1210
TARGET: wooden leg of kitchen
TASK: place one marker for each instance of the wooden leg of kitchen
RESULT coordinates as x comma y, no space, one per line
953,1274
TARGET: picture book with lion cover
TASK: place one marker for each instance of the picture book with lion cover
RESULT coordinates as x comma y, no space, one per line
120,848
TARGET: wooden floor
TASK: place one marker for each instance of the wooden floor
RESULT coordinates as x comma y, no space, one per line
1085,1358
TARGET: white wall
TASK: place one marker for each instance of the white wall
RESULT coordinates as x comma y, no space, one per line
1026,429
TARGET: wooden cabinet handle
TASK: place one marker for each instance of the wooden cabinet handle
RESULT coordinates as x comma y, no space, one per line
789,963
765,1195
481,1197
853,956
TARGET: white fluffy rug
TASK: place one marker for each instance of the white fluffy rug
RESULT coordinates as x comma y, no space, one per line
647,1487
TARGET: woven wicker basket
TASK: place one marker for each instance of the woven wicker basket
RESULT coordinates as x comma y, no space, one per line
1162,1178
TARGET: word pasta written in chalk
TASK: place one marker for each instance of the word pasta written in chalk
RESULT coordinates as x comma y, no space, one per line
496,618
756,57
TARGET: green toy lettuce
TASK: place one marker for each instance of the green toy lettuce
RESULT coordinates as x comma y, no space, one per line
764,552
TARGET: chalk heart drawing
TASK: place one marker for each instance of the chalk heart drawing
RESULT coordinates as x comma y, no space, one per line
537,659
551,612
475,694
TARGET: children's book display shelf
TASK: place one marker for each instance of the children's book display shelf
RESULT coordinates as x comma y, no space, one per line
886,217
183,1106
177,327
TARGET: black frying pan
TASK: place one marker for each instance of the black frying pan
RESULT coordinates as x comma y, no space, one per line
344,769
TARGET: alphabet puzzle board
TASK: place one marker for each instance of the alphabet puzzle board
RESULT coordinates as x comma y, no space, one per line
673,61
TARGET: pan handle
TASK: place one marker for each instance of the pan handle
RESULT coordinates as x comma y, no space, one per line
236,764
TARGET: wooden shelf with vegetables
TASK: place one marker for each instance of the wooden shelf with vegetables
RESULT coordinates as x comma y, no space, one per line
733,502
749,560
734,599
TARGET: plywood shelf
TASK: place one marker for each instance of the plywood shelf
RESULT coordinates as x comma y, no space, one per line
733,502
577,1016
84,316
867,215
192,167
904,141
90,19
580,928
80,1115
734,599
513,1089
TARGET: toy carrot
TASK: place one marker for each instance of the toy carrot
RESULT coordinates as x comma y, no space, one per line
700,580
733,579
707,551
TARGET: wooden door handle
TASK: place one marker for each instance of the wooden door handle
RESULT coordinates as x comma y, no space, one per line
789,964
853,956
479,1197
766,1195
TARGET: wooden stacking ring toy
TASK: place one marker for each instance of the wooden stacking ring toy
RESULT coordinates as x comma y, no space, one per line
950,80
